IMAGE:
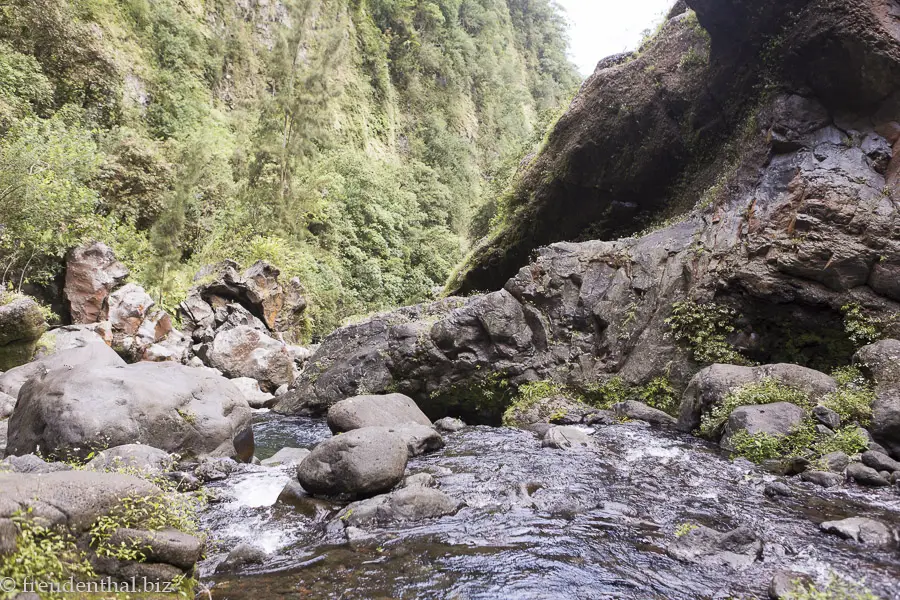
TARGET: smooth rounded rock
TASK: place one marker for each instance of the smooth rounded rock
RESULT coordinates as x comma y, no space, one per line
375,411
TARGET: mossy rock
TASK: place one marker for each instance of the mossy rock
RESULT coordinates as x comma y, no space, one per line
527,411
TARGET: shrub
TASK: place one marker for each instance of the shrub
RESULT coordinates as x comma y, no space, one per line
703,329
759,447
660,394
767,391
854,397
849,440
604,395
861,328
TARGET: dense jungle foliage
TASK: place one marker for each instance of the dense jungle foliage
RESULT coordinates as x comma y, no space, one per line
353,143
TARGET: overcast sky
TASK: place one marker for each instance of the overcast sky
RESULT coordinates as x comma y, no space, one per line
604,27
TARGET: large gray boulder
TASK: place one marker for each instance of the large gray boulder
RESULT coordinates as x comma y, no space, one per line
408,504
566,438
22,324
94,353
246,352
92,273
375,411
190,412
709,387
419,439
778,419
364,461
132,458
882,361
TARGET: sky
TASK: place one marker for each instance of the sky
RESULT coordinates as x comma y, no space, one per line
600,28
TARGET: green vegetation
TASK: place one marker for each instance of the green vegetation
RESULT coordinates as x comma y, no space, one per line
483,398
529,395
853,398
703,329
767,391
684,529
661,394
350,143
43,554
836,589
861,328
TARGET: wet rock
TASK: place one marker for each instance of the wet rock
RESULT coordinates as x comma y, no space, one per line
601,417
419,439
92,273
880,462
93,355
860,529
171,407
21,326
296,497
827,417
785,582
375,411
566,438
709,387
778,419
214,468
137,457
420,479
543,410
735,549
243,555
364,461
822,478
449,424
836,461
793,465
632,409
864,475
256,398
286,456
776,488
246,352
408,504
29,463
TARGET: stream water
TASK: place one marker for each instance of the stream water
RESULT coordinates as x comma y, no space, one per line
543,523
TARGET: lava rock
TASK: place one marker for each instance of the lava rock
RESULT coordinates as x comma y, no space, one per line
777,488
784,583
247,352
364,461
836,461
408,504
736,549
827,417
419,438
167,546
777,419
420,479
632,409
137,457
375,411
214,468
822,478
880,462
242,555
30,463
860,529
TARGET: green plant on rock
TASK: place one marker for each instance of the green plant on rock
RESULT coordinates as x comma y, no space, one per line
661,394
529,395
861,328
767,391
704,330
854,397
684,529
836,589
850,440
760,447
603,395
43,554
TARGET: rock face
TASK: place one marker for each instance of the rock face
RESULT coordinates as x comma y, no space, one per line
92,273
247,352
21,326
362,462
141,330
375,411
778,420
882,361
171,407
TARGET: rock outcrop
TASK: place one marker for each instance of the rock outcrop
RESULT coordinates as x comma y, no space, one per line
882,361
92,273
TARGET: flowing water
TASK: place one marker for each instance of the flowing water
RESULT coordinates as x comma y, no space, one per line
543,523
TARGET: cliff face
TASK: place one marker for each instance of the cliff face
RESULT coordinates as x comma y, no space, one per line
650,133
790,254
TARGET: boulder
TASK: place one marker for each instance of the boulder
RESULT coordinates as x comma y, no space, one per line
92,354
867,476
776,489
860,529
880,462
542,410
286,456
31,463
246,352
778,419
632,409
375,411
128,308
827,417
141,330
836,461
7,404
92,273
132,457
822,478
74,336
704,546
566,438
449,424
408,504
296,497
22,324
364,461
882,361
419,439
256,398
784,584
419,479
175,408
242,555
168,546
709,387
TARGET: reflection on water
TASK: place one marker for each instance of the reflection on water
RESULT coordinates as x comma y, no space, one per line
543,523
